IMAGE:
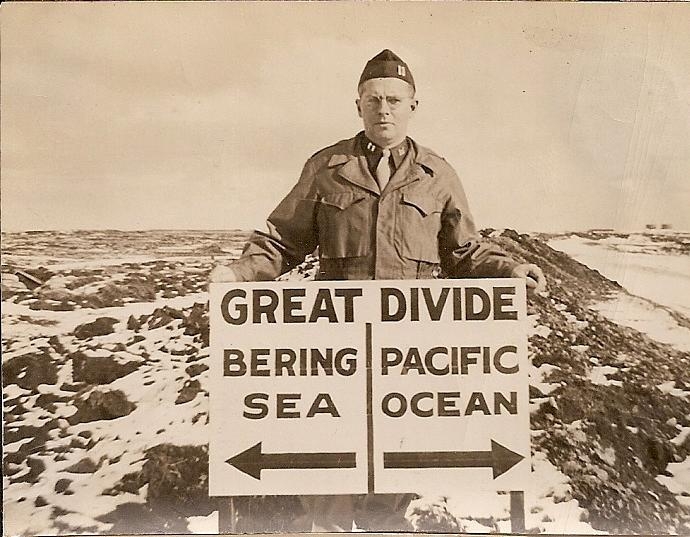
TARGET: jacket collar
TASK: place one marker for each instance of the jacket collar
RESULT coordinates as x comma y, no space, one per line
426,159
353,164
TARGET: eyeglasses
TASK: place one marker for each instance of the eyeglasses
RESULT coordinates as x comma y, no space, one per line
374,103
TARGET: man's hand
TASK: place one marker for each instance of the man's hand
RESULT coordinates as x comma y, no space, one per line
222,274
533,276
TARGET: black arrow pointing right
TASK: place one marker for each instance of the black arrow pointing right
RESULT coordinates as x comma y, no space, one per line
500,459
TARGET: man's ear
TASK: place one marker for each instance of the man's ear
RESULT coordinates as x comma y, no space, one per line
359,109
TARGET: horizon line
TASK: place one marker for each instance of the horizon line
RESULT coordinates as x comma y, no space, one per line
248,230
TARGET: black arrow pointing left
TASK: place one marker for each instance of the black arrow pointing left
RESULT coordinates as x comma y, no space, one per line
251,461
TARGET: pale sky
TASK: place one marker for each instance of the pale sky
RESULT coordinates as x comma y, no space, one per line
201,115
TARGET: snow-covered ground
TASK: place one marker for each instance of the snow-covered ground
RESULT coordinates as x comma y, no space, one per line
645,267
113,447
654,269
655,272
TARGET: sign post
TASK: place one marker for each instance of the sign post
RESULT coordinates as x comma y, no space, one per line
368,387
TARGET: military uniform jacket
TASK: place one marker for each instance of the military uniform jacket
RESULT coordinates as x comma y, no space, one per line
420,226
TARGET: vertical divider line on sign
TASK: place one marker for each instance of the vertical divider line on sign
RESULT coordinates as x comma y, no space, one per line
370,413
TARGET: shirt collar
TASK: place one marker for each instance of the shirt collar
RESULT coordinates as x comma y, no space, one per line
373,151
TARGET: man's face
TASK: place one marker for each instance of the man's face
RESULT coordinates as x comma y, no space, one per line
386,106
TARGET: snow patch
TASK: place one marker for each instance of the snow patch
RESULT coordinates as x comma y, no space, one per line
679,481
646,317
638,264
599,376
551,507
537,376
203,524
669,388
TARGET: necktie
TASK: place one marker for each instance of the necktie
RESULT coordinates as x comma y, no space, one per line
383,170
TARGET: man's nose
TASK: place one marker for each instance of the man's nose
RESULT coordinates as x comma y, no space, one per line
384,107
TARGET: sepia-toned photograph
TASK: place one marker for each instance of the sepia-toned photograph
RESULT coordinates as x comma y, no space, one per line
276,267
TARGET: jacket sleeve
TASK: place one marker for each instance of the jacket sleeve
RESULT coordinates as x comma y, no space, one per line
291,234
462,251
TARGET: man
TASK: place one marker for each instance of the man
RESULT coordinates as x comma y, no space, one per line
377,206
400,217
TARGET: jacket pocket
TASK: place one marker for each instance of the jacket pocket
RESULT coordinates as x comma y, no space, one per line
420,224
344,222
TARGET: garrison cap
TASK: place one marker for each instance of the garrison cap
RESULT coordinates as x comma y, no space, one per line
386,64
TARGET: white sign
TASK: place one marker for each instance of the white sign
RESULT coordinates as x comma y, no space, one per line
379,386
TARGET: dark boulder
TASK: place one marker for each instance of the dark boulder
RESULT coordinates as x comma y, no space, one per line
84,466
196,369
188,392
163,316
133,323
177,478
100,327
99,369
29,370
102,406
196,323
61,485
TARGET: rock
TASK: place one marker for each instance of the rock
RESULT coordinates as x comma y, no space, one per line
535,393
659,454
78,443
178,478
130,483
181,352
29,370
136,339
29,280
100,327
133,324
84,466
59,295
58,347
199,416
99,369
163,316
196,369
47,401
102,406
61,485
115,294
40,501
37,436
67,387
188,392
40,273
36,468
196,323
